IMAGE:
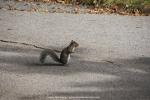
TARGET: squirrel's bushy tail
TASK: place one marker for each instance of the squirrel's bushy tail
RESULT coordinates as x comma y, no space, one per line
49,52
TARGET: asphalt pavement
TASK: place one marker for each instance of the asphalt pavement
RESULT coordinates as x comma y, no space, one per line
112,61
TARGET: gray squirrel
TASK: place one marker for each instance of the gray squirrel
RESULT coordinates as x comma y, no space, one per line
64,56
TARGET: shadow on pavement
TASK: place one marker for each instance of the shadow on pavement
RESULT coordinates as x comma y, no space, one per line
11,62
132,85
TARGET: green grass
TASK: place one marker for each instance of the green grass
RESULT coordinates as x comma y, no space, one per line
129,3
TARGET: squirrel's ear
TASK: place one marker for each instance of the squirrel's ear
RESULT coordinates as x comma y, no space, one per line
72,41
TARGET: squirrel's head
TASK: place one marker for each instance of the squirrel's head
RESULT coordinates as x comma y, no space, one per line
73,45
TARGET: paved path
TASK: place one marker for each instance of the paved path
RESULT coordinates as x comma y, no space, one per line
112,62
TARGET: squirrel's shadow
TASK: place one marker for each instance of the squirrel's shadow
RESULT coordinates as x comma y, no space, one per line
45,64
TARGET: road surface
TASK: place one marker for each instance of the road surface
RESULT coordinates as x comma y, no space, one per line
111,63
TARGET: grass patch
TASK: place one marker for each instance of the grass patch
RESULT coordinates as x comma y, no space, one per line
129,6
128,3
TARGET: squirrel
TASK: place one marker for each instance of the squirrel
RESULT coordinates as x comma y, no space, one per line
64,56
